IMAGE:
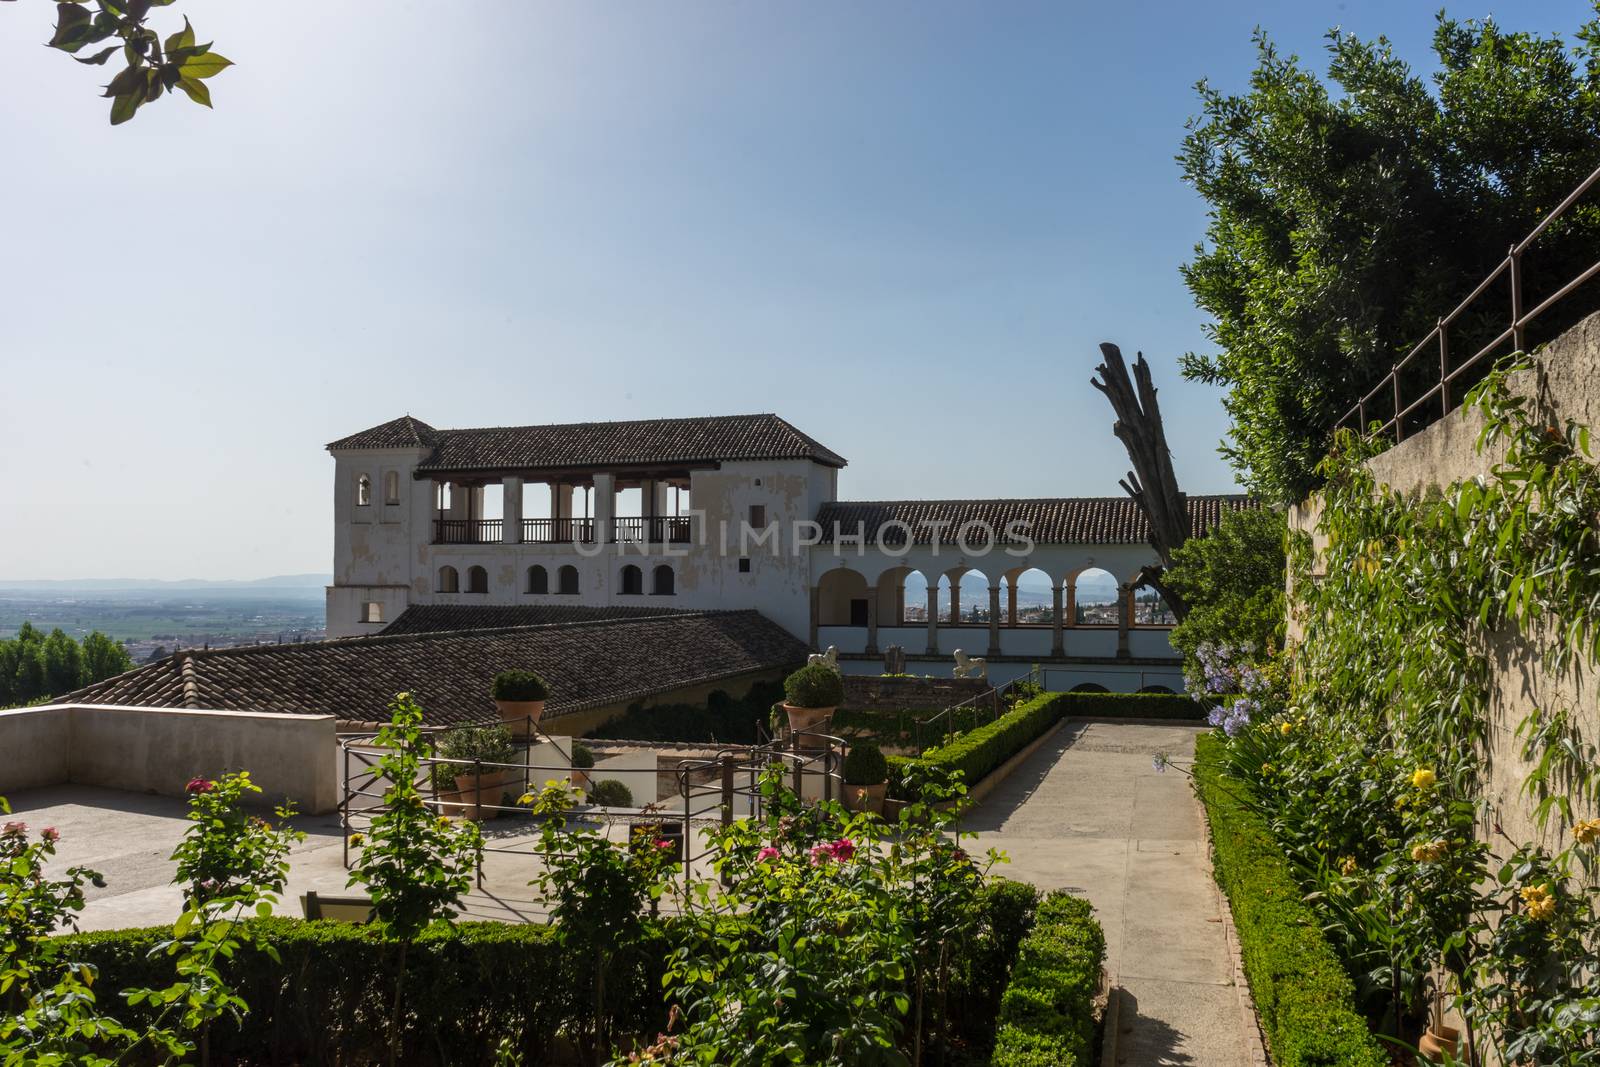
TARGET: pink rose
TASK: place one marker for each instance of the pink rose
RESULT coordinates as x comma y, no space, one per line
14,829
843,849
200,785
821,854
50,834
766,855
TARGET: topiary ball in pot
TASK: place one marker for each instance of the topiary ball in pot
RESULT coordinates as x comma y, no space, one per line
582,761
811,694
519,695
866,777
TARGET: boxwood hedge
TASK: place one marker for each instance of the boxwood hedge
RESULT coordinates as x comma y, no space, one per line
980,751
1304,997
1047,1012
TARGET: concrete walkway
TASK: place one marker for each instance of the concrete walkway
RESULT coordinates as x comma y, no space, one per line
1088,813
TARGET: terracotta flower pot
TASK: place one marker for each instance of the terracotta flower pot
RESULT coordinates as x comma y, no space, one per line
865,797
808,719
1437,1041
518,713
473,795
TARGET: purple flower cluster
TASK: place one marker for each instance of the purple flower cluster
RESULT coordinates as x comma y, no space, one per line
1235,716
1222,670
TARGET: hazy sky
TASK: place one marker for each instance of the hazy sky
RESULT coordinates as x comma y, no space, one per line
903,226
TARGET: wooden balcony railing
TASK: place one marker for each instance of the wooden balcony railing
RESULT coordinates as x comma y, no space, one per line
557,531
466,531
661,530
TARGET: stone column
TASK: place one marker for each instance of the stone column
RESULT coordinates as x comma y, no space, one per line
605,506
1057,644
933,617
1124,602
511,510
1011,602
872,620
994,620
955,602
1070,618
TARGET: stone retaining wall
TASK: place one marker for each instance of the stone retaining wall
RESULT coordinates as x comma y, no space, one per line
868,693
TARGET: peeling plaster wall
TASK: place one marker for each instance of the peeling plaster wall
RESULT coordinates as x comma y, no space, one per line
1563,382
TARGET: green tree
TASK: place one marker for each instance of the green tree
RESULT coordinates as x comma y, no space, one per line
1345,218
151,66
34,667
1233,581
63,663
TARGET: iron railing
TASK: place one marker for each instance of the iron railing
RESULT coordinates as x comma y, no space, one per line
467,531
660,529
1419,410
972,712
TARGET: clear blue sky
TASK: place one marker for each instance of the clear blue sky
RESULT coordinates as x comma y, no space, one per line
903,226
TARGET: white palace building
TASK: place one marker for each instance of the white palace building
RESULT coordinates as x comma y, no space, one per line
742,512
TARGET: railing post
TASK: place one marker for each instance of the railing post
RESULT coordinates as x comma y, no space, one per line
727,790
1517,333
799,767
1394,382
1444,369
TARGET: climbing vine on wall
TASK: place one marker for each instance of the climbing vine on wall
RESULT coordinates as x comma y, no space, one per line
1373,768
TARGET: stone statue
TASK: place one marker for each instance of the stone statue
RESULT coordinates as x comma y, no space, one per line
971,666
829,658
894,660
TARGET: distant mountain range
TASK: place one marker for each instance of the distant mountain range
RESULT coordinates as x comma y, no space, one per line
101,585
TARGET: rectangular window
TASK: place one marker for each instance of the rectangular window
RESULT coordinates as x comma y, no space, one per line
391,487
744,564
372,611
758,516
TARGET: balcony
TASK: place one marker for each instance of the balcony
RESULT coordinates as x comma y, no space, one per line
660,530
557,531
467,531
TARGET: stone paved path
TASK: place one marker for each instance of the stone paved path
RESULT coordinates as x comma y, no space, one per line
1089,813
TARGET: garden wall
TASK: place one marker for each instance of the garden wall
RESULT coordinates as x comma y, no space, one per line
870,693
1565,384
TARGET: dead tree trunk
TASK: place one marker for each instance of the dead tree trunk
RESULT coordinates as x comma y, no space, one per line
1151,483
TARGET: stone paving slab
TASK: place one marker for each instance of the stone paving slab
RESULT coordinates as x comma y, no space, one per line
1090,814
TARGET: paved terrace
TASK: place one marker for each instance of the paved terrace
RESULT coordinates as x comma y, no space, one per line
1086,812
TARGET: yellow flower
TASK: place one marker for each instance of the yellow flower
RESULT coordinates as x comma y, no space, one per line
1285,728
1348,866
444,820
356,840
1541,903
1423,778
1430,852
1586,831
526,798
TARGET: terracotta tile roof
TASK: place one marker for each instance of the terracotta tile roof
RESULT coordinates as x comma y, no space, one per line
432,618
602,444
404,432
587,664
1106,520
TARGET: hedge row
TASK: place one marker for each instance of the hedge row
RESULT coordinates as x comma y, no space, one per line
1304,997
1047,1012
468,986
980,751
1132,706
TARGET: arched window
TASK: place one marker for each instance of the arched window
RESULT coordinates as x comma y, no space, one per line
363,490
477,580
538,579
661,581
567,580
1088,687
1155,689
449,580
391,487
632,580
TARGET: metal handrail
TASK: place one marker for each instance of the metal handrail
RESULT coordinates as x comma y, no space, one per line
991,696
1516,332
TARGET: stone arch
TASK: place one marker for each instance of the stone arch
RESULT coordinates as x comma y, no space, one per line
1156,689
966,601
477,579
892,596
1093,596
449,579
631,580
662,581
1088,687
567,580
842,598
538,580
1018,609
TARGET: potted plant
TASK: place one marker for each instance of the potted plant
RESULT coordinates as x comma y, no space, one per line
866,777
582,761
464,792
811,695
519,695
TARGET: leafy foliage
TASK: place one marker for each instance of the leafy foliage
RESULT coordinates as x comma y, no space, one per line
814,686
865,764
490,744
519,685
611,793
34,666
721,719
974,754
1232,580
152,66
1346,218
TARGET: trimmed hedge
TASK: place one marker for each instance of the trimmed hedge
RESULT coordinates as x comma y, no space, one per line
1304,997
328,1001
980,751
1047,1012
1133,706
